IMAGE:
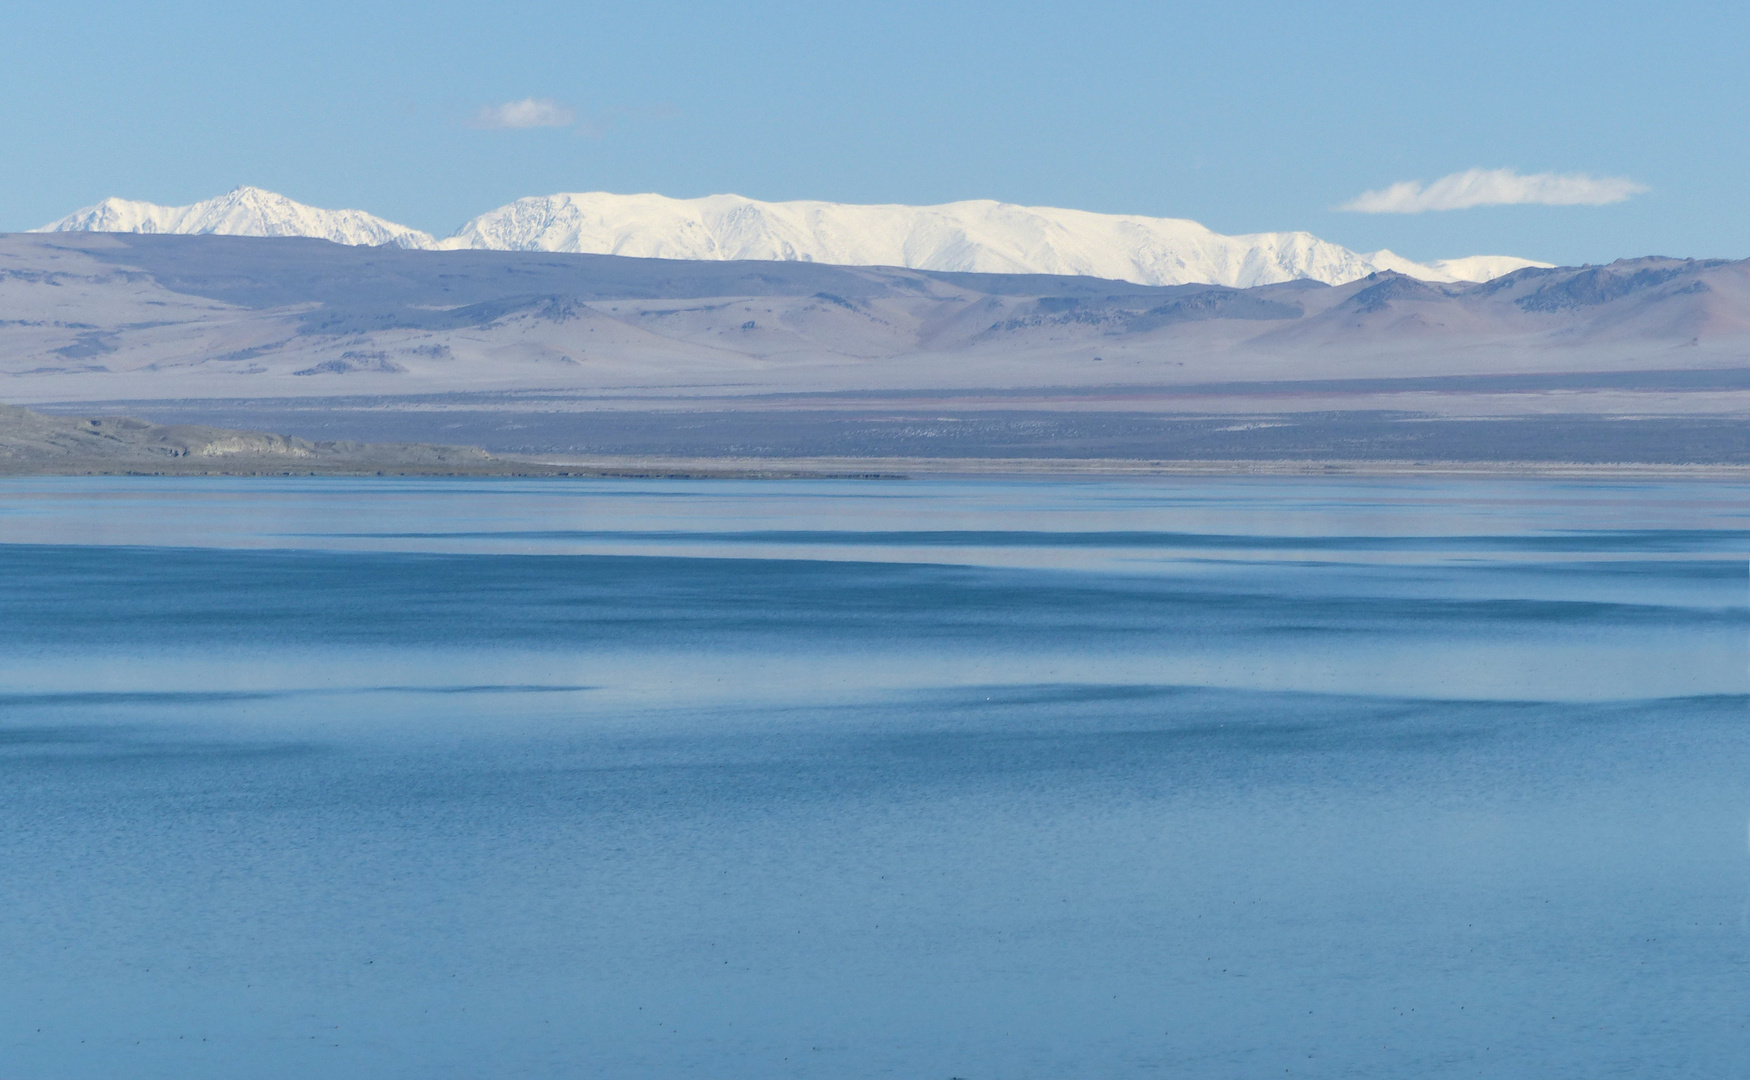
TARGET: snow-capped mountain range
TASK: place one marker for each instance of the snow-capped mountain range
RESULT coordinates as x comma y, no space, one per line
246,211
976,235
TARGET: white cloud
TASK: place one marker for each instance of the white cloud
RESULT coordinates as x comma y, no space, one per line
527,113
1494,187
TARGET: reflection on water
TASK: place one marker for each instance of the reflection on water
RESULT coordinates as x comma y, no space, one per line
944,778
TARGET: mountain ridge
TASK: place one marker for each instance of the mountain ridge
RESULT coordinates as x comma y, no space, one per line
533,352
242,211
980,236
121,317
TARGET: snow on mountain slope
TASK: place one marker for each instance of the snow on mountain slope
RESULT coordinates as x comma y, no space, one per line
245,211
1481,267
980,236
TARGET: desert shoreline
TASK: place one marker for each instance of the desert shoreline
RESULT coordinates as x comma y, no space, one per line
885,468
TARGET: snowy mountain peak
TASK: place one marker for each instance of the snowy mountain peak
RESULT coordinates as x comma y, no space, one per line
244,211
978,235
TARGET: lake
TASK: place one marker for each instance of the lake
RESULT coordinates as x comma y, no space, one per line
977,778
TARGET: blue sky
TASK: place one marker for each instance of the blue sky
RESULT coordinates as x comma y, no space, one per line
1247,117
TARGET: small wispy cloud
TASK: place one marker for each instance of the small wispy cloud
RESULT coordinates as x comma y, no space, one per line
1495,187
527,113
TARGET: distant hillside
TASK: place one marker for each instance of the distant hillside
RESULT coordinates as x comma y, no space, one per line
976,236
31,442
540,352
115,316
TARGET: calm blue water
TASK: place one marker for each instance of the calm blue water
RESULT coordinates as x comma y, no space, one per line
980,779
